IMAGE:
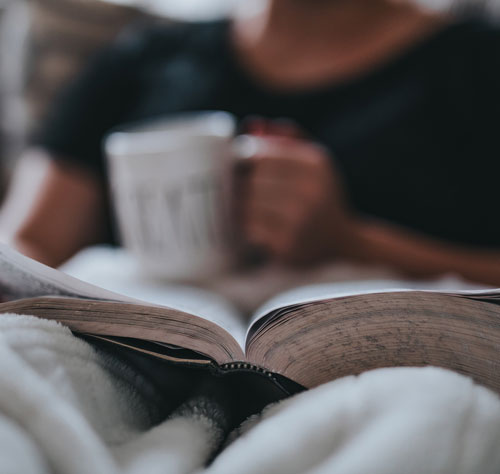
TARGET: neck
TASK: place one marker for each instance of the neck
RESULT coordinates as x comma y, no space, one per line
316,20
322,15
296,43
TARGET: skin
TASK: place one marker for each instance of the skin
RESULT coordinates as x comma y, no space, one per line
68,213
295,210
293,206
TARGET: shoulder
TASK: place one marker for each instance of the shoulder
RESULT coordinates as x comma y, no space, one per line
472,45
465,65
163,39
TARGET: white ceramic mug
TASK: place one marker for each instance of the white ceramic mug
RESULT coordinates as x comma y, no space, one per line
171,183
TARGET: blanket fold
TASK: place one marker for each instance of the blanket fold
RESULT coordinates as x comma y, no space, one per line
66,408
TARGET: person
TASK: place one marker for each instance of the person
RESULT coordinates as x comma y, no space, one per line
376,124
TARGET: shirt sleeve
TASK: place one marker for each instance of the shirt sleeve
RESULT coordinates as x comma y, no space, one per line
99,99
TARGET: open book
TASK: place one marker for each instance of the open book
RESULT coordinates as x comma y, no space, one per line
299,339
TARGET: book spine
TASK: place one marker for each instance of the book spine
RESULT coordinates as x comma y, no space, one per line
285,385
246,366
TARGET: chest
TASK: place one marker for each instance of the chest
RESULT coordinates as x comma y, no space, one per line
390,136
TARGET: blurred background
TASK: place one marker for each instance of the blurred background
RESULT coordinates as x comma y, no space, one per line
44,43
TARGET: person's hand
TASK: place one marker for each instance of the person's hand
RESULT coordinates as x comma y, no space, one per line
292,204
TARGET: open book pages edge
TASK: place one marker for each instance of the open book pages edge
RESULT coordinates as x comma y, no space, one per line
23,277
321,292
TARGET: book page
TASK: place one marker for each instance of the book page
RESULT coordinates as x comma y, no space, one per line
114,270
23,277
321,341
319,292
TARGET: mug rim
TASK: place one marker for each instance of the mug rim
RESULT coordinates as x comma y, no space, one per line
165,133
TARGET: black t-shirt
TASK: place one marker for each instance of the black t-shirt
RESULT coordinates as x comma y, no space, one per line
415,138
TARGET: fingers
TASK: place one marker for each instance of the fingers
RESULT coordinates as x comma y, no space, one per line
275,150
285,185
262,127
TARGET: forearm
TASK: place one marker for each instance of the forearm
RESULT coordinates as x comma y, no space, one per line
418,255
67,212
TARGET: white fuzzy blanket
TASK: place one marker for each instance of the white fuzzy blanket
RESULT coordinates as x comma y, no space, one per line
66,409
